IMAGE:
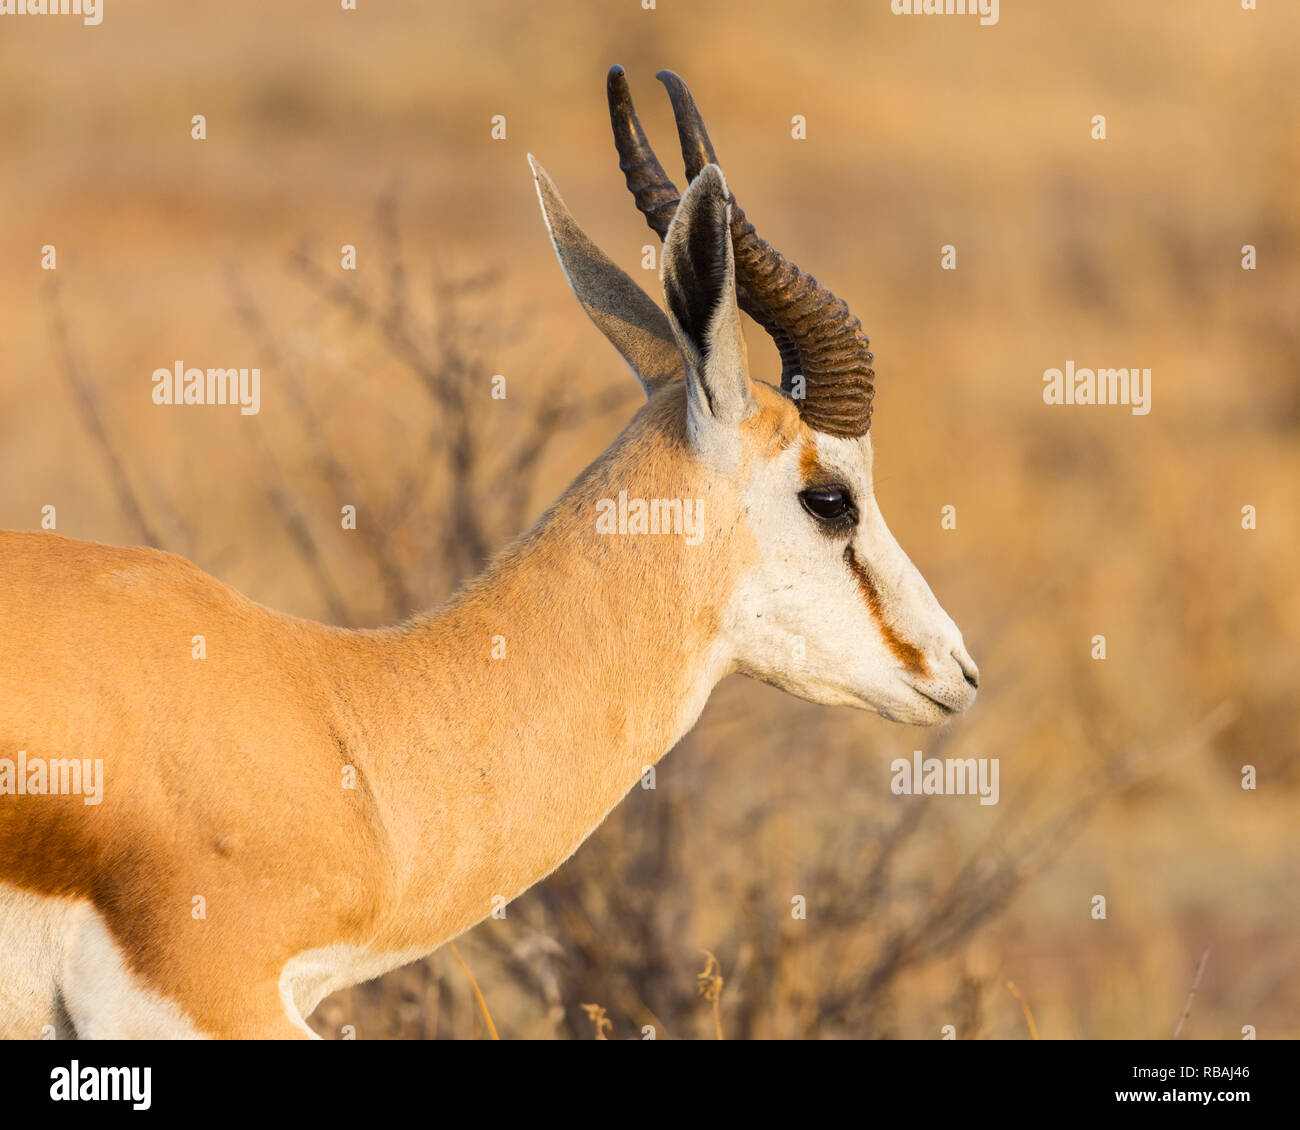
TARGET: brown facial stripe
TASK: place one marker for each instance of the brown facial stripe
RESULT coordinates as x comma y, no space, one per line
909,655
810,468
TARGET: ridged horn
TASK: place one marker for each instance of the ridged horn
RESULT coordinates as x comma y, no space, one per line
657,197
833,352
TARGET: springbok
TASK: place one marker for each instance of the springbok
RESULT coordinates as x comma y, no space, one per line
309,807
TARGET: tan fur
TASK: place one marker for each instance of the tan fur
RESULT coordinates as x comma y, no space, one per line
339,803
475,776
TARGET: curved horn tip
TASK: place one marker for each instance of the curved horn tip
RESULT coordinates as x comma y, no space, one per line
697,149
677,89
618,92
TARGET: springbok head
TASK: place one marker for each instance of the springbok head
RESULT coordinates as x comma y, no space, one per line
828,607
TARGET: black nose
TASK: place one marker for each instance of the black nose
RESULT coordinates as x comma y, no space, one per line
968,668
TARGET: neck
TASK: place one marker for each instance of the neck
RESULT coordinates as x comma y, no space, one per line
535,700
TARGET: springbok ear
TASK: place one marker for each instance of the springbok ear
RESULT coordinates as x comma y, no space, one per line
699,274
622,311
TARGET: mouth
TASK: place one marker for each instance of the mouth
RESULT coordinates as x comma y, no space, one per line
948,709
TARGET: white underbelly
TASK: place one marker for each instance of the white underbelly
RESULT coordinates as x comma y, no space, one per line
60,964
31,951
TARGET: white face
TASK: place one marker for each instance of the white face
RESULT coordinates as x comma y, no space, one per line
834,611
831,609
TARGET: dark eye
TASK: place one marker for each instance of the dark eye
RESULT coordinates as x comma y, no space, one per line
829,504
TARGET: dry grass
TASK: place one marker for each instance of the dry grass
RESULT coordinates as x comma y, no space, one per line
596,1014
1024,1007
1191,993
478,994
710,986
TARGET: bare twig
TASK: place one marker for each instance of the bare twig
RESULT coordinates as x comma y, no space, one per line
87,401
984,885
331,469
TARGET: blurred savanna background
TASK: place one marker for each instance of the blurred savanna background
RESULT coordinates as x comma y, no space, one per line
1120,777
